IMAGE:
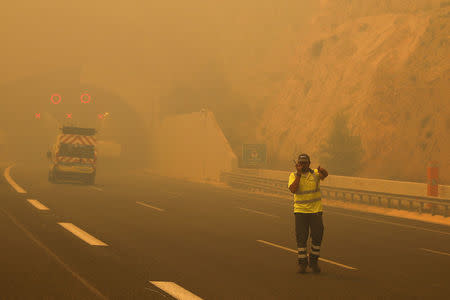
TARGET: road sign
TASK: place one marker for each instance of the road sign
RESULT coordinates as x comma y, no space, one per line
254,155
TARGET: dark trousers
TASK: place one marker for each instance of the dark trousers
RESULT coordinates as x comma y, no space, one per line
304,225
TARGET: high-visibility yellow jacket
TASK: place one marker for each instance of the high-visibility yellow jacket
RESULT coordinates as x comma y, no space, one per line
307,198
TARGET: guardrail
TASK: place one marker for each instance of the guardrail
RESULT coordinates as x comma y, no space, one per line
420,204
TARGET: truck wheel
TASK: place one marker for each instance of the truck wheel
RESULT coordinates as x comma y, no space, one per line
54,175
90,179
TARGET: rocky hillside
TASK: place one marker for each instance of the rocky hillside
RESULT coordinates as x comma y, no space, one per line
386,65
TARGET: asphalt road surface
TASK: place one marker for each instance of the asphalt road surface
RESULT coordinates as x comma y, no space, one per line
140,236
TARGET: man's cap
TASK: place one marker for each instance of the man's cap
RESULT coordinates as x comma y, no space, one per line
303,157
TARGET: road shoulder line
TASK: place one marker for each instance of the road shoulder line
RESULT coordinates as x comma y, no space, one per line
294,251
83,281
8,178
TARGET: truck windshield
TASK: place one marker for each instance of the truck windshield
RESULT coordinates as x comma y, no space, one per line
77,150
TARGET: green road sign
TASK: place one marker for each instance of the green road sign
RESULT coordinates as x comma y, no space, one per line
254,155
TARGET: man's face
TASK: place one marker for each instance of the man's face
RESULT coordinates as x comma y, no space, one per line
304,164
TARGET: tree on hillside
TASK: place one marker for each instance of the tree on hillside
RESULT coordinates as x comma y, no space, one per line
342,153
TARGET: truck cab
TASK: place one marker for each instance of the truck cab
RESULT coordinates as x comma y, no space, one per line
73,157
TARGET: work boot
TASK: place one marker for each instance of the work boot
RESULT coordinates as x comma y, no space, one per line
302,264
313,264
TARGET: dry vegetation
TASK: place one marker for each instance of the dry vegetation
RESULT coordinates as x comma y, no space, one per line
388,68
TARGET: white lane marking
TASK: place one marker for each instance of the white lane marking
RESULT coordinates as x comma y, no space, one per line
295,251
82,234
12,182
54,256
258,212
146,205
434,251
391,223
249,196
96,188
175,290
37,204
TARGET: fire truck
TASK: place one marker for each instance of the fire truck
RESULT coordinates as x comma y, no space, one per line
74,155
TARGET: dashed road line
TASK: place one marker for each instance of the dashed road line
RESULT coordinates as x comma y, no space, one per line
175,290
390,223
83,281
258,212
37,204
149,206
434,251
251,196
12,182
294,251
83,235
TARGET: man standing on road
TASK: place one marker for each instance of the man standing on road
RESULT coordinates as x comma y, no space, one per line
304,184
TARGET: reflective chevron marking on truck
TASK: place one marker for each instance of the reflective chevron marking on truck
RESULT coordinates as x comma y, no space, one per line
76,159
77,139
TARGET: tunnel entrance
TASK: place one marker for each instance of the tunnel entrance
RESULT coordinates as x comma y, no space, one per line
34,108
